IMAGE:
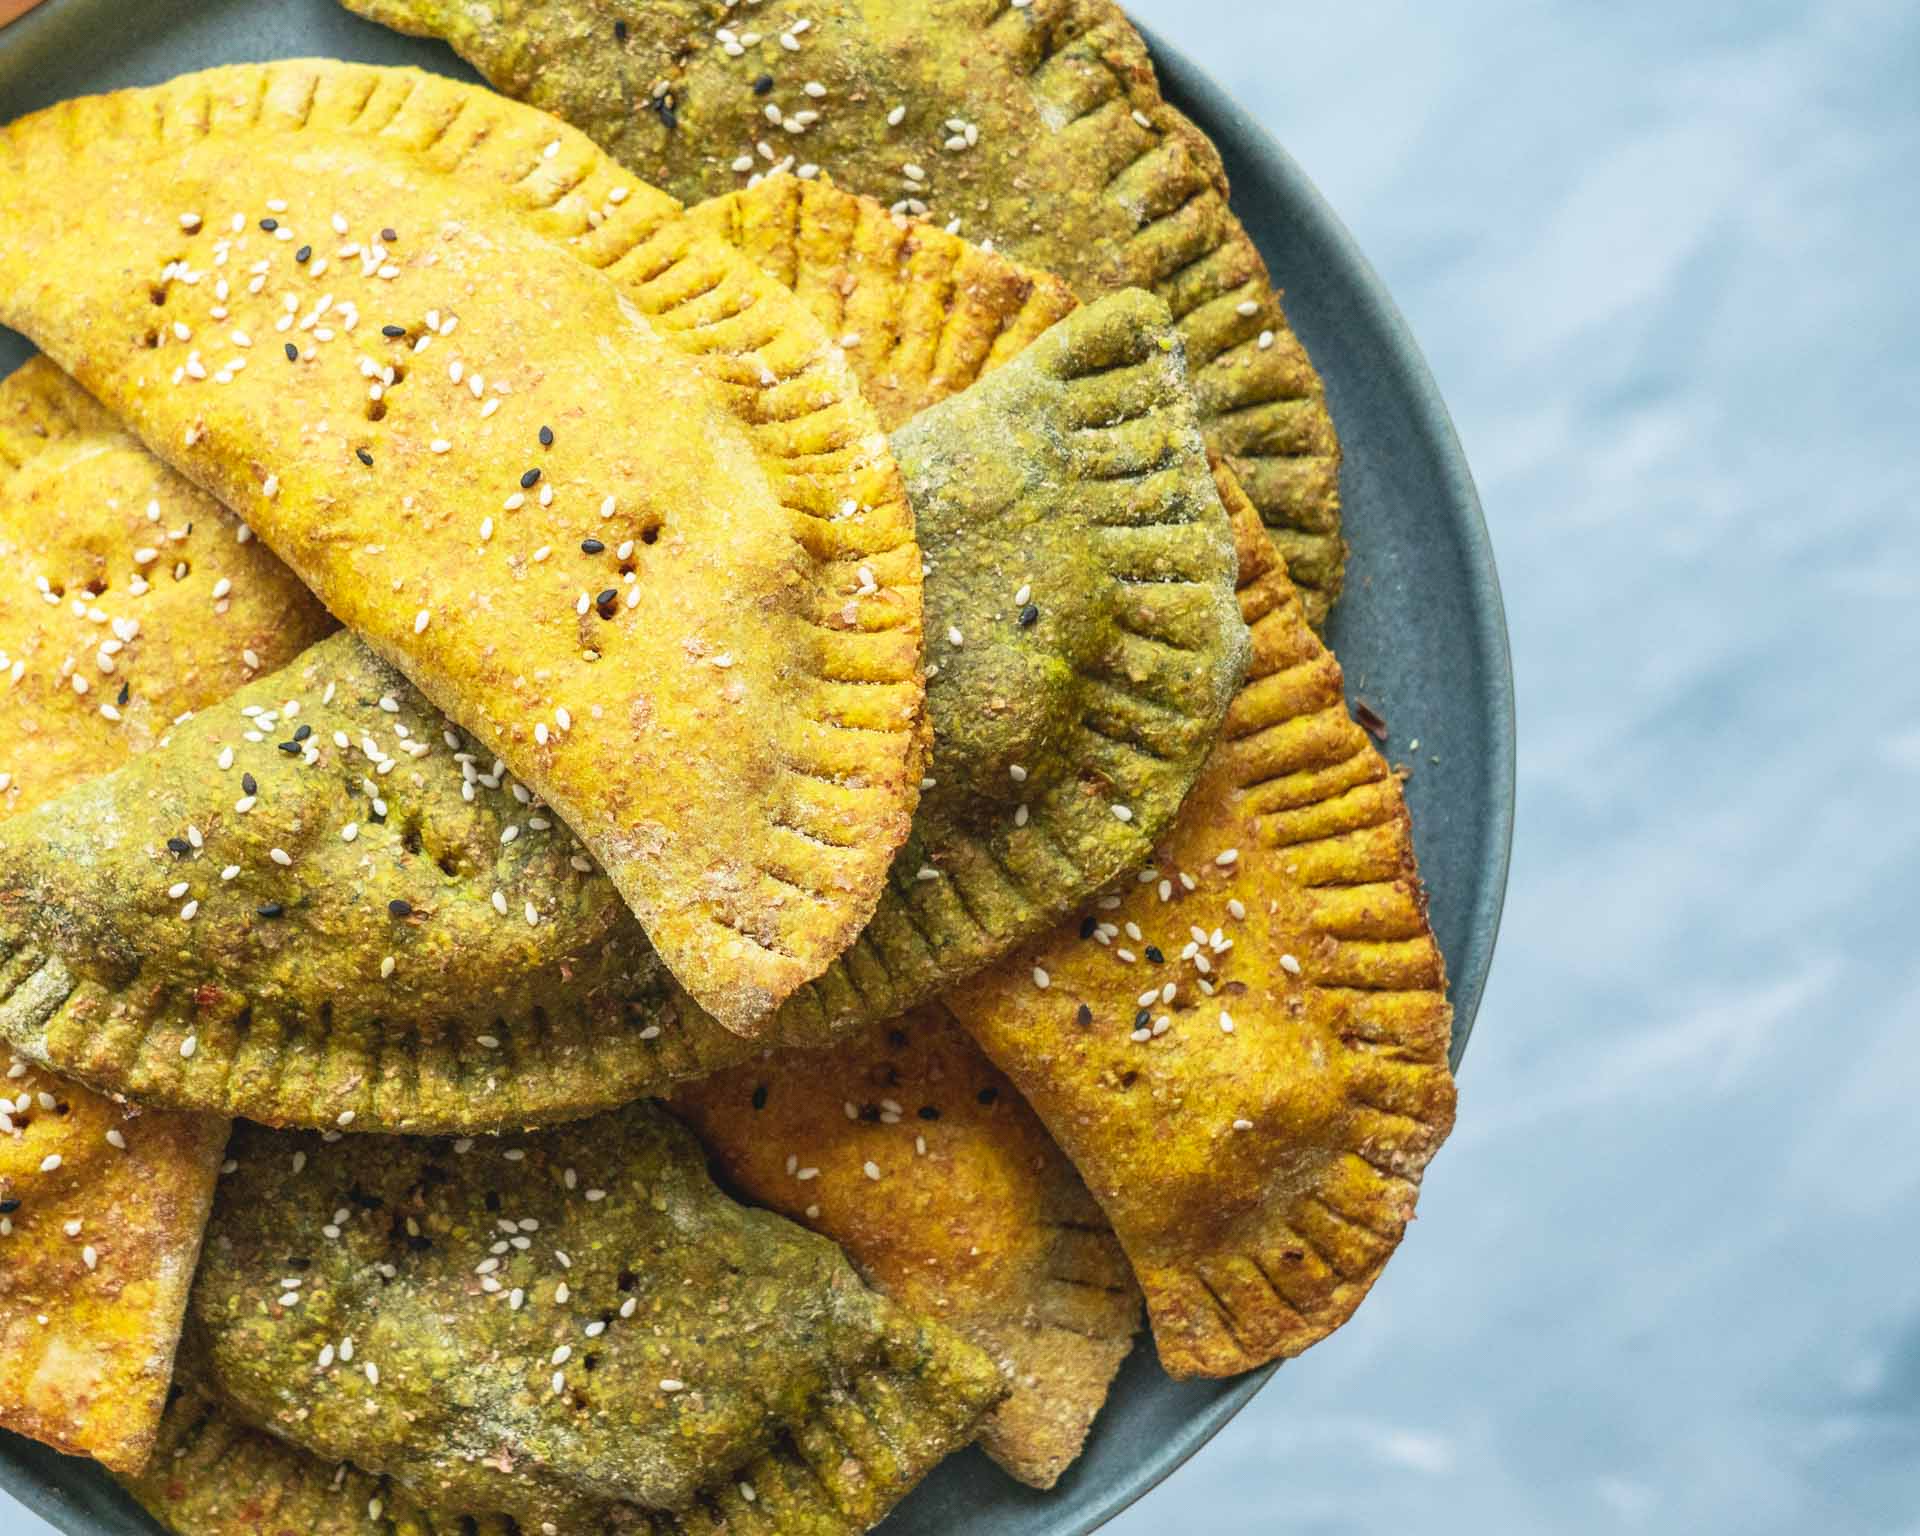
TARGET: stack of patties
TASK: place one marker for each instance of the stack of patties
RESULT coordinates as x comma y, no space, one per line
485,646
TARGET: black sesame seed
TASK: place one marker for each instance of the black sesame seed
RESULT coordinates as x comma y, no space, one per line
870,1113
393,332
928,1112
667,115
763,85
271,909
304,254
269,225
988,1095
605,599
1083,1016
619,31
759,1095
249,783
1142,1019
546,437
1153,954
1029,616
493,1200
420,1244
1087,927
365,455
8,1207
591,546
291,748
389,235
303,733
897,1038
180,846
126,692
400,907
530,479
293,353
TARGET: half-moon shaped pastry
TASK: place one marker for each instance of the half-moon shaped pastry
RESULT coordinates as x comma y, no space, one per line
606,493
1244,1048
559,1327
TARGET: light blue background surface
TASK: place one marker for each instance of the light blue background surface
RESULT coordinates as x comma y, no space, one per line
1667,1273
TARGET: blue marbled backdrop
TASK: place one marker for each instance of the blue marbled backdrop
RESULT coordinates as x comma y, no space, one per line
1667,1274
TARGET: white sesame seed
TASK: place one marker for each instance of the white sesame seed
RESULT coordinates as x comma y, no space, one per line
187,912
386,967
350,831
188,1046
1227,857
280,856
50,1162
1122,813
1041,979
116,1140
1290,965
897,116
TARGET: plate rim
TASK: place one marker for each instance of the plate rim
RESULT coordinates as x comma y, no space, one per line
1188,86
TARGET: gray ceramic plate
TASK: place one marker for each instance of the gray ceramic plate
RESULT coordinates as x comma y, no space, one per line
1421,633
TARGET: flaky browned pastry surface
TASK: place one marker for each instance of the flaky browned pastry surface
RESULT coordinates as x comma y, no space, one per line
1040,127
1244,1050
611,520
909,1149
